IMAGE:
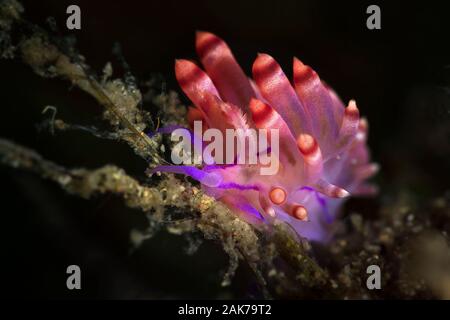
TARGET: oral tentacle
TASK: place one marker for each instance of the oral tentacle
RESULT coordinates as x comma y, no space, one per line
210,179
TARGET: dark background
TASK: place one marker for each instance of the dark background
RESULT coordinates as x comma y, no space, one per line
399,76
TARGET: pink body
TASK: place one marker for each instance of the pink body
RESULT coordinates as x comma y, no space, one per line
323,153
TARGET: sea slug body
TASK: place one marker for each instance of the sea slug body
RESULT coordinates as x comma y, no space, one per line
323,157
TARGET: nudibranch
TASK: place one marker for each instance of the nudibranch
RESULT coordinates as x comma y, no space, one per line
323,157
